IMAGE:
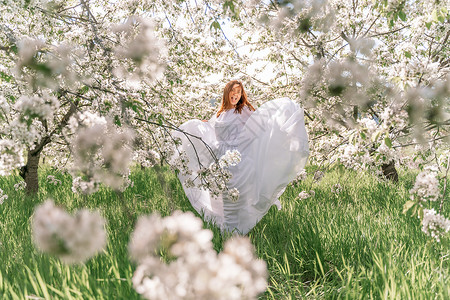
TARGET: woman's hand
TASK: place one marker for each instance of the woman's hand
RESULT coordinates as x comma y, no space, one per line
204,120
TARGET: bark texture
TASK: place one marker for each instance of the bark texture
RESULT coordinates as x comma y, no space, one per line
389,171
29,172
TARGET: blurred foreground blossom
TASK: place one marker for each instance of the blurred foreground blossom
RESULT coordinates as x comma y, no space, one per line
193,269
426,186
102,153
434,224
142,50
73,239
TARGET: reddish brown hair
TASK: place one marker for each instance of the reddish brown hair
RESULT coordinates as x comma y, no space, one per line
226,103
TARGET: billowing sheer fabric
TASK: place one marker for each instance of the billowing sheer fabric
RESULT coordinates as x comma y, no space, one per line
274,148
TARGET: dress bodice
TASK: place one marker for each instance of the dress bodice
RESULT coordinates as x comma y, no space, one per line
228,126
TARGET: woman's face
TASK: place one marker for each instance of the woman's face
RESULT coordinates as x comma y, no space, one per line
235,94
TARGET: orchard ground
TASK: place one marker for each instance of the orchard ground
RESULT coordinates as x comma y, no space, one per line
353,245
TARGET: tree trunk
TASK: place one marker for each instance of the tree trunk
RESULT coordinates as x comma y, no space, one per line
29,172
389,171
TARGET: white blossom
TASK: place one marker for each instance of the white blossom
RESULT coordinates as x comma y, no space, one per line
193,269
10,156
234,194
53,180
318,175
21,185
141,47
84,187
434,224
73,239
146,158
182,231
303,195
230,158
336,188
101,151
300,177
426,186
36,106
3,196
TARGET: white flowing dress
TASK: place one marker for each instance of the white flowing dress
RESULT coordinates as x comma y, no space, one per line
274,148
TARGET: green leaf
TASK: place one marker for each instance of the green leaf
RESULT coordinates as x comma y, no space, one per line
402,15
428,25
388,142
5,76
407,206
408,54
376,135
215,25
84,90
117,121
434,16
43,68
351,138
420,213
363,135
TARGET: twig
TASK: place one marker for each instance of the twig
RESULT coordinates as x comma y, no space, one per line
418,143
224,35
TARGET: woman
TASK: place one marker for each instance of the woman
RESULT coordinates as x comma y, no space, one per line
273,144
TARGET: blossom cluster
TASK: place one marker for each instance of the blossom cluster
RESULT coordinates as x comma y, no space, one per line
139,46
3,196
36,106
309,14
434,224
20,185
336,188
300,177
73,239
10,156
176,261
318,175
146,158
101,152
426,186
234,194
53,180
305,195
230,158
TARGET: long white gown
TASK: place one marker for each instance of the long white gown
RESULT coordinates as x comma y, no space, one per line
274,148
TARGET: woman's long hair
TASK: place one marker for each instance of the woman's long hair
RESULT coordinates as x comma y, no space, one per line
226,103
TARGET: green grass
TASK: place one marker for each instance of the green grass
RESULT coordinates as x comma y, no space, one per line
355,245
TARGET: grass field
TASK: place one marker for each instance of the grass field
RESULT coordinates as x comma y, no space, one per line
355,245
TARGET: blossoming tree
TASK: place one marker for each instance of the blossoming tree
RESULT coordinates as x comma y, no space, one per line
93,84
